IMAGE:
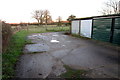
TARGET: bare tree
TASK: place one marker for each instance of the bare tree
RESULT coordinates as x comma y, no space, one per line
47,17
59,19
111,7
106,11
41,13
42,16
36,15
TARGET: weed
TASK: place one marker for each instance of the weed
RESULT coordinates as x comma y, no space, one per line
28,42
72,73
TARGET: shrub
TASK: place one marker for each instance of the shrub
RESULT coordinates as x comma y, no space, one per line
6,34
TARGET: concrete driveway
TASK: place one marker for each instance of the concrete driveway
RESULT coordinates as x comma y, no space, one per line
50,51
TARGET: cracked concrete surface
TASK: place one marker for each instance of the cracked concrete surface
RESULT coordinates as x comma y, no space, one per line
50,51
34,48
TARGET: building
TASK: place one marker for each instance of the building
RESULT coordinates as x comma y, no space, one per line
104,28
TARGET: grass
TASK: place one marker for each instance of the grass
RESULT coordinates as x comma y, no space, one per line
15,48
10,57
72,73
42,29
29,42
58,29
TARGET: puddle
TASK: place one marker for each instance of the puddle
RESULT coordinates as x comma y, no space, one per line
34,35
64,35
68,41
63,45
54,35
37,36
37,41
54,41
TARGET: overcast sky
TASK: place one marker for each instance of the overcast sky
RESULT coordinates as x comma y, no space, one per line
15,11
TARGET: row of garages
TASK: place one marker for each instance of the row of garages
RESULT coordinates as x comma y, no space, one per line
103,28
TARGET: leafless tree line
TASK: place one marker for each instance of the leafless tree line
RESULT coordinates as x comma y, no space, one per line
111,7
42,16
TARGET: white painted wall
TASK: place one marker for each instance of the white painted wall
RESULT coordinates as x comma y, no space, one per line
75,27
86,28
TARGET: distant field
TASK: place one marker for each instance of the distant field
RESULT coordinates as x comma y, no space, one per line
48,28
41,28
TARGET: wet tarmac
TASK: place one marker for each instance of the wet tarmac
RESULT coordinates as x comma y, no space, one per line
51,51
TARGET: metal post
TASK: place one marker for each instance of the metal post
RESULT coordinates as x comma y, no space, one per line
0,49
92,29
70,27
79,26
112,30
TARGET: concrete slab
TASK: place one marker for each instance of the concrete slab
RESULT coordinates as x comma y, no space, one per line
38,66
34,48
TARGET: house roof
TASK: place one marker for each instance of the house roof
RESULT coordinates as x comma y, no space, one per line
65,21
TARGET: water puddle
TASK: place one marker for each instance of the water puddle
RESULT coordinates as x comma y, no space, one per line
54,41
68,41
63,45
54,35
37,36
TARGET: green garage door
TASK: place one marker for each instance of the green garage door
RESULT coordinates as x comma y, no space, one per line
116,35
101,29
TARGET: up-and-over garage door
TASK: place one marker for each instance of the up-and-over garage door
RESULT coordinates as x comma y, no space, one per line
75,27
86,28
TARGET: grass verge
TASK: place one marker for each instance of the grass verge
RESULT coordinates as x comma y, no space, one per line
72,73
10,57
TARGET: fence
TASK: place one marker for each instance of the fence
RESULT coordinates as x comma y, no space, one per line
103,28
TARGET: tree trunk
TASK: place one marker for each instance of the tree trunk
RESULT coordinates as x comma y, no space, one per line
38,22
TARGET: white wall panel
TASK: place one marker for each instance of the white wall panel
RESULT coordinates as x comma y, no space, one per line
75,27
86,28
